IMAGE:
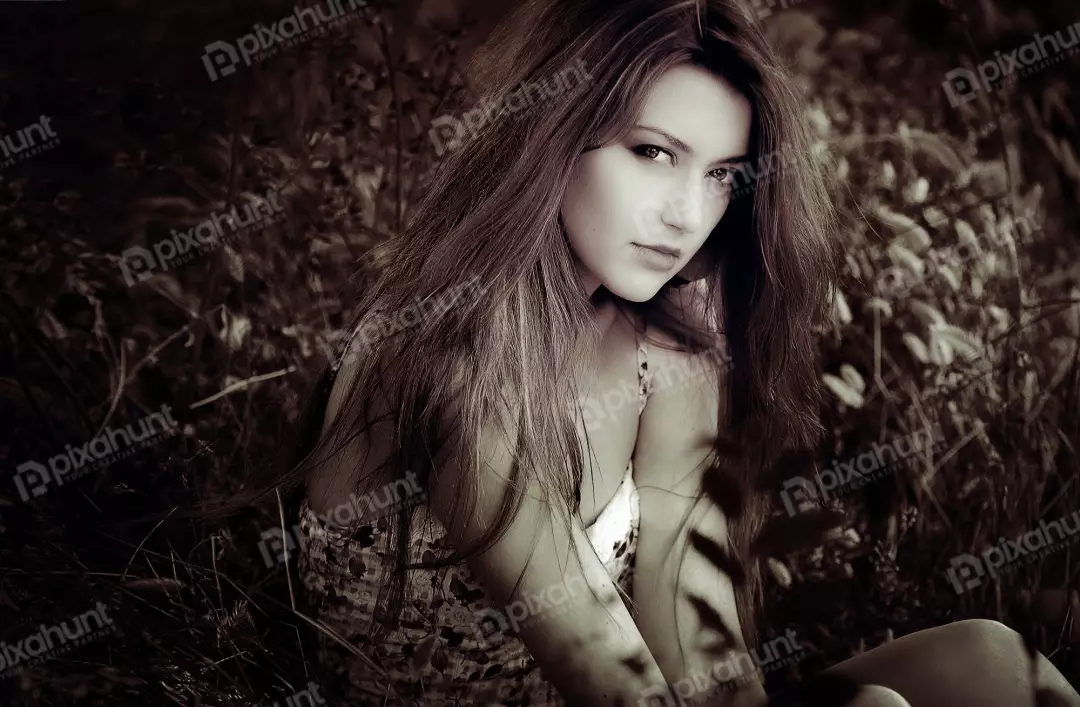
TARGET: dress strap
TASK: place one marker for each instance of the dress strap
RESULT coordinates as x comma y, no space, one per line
644,377
343,351
354,344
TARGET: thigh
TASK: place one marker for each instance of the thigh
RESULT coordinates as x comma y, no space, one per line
867,696
974,662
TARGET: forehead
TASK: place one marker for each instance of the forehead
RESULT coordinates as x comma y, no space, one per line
701,109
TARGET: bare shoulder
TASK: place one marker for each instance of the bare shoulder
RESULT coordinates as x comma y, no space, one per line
360,419
686,405
677,372
349,462
685,399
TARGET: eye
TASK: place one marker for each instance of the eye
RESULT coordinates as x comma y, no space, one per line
723,175
651,152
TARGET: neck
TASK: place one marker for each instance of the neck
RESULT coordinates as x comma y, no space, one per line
604,308
605,312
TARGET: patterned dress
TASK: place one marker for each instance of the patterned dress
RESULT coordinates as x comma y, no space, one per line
444,651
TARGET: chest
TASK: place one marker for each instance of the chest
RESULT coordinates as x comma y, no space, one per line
608,425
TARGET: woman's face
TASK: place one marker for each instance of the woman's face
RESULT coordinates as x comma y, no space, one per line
665,185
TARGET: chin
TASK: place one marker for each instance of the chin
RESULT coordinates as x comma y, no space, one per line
636,289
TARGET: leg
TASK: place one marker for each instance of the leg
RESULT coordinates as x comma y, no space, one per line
975,662
868,696
879,696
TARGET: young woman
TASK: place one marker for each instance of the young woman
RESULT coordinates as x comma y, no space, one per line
601,292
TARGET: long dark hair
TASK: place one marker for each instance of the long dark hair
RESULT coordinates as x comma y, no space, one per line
491,215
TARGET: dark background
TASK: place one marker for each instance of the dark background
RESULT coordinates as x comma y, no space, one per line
148,143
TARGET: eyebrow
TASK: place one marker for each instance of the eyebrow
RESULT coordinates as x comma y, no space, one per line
734,159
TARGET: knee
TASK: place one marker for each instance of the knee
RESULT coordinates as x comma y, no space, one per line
991,645
983,631
986,636
879,696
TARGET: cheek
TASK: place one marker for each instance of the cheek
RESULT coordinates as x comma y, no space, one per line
597,208
715,211
713,215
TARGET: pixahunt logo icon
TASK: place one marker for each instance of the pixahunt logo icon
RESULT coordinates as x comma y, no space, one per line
138,264
275,546
50,641
493,626
961,84
33,478
967,571
449,132
380,325
603,406
730,673
848,475
221,58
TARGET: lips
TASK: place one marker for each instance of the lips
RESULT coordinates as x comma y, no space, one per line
666,250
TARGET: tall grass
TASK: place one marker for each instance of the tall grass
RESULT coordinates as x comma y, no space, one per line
986,347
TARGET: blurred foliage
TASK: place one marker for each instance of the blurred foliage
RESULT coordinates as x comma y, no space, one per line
986,345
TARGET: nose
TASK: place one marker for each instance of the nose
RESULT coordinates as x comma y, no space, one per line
683,208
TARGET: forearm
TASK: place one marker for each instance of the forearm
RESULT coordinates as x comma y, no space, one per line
599,656
686,607
713,684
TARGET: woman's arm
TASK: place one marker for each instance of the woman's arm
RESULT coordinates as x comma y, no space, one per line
583,644
677,430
